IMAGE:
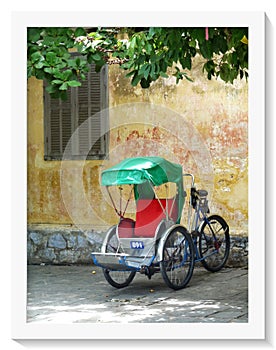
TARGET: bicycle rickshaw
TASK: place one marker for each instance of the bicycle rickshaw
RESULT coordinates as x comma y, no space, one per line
153,239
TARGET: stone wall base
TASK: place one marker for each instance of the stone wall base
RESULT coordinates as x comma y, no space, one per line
67,246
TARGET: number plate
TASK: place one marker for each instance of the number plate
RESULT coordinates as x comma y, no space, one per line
137,245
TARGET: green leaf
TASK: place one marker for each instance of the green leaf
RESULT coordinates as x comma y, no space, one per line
198,34
163,65
141,59
206,49
37,57
30,71
99,65
233,74
80,32
233,58
209,66
225,72
78,61
66,74
33,34
186,62
50,70
135,80
57,81
96,57
148,48
152,71
163,75
193,51
146,72
241,74
89,57
63,95
51,89
145,83
142,69
151,32
39,74
51,58
188,78
69,32
64,86
73,83
237,34
128,75
39,65
219,44
132,45
192,43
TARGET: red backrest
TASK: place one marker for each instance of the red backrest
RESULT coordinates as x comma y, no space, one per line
126,228
149,213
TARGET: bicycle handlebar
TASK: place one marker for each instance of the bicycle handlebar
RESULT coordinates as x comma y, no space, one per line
193,178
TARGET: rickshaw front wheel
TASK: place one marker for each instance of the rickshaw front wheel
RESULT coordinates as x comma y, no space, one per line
177,264
119,279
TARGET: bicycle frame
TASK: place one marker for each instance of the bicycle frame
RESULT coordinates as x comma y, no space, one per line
199,217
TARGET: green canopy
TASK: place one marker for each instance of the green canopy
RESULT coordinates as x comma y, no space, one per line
157,170
145,170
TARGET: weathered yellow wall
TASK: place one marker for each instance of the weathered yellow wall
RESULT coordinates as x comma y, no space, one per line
46,204
209,115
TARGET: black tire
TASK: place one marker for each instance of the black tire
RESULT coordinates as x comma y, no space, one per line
177,264
117,279
214,243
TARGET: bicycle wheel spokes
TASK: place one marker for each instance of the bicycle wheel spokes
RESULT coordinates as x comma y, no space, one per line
214,243
178,259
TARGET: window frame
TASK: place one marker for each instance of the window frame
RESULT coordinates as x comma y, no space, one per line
75,153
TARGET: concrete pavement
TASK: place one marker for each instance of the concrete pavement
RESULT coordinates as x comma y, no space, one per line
80,294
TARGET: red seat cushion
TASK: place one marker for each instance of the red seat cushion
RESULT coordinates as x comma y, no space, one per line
126,228
149,213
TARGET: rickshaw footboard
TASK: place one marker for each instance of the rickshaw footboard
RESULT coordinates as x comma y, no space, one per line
121,262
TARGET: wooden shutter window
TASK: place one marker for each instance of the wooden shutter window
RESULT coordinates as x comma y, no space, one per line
63,118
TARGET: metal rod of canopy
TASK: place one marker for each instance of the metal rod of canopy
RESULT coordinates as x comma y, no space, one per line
129,197
114,206
167,204
164,210
119,213
120,189
173,203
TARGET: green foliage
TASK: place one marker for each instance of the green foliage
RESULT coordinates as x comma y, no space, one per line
48,58
145,53
229,59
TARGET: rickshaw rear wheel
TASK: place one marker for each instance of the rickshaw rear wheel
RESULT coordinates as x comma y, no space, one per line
177,264
117,279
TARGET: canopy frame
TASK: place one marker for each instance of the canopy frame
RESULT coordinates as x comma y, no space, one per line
154,171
